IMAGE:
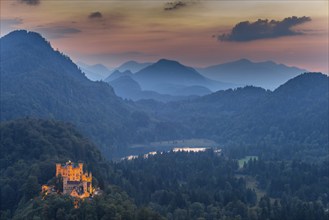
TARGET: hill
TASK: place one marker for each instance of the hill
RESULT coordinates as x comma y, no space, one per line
291,122
37,81
29,150
268,75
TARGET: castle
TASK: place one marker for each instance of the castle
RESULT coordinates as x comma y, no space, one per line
75,182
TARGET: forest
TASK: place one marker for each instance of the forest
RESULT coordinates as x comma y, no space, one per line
170,185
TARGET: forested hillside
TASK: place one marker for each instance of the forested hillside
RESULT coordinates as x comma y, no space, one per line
203,185
291,122
39,82
29,150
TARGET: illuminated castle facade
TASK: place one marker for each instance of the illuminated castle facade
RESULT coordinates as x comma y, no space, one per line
75,182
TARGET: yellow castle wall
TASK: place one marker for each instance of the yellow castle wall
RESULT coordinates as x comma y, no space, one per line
72,173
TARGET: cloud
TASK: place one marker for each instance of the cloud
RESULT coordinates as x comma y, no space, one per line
11,22
95,15
118,57
174,5
264,29
30,2
57,31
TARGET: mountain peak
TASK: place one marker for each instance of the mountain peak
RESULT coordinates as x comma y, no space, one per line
34,53
117,74
24,36
24,33
242,61
167,62
99,65
305,80
130,62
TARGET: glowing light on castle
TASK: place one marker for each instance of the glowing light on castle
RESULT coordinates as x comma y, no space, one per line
75,182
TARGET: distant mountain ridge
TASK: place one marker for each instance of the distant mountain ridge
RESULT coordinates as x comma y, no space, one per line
127,88
117,74
165,76
95,72
165,80
132,66
268,75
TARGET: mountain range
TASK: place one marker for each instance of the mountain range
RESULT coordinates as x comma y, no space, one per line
165,80
268,75
37,81
169,77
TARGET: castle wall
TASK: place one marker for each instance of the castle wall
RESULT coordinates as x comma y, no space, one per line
70,171
73,178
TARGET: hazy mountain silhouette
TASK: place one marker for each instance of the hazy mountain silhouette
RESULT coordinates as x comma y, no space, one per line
168,76
117,74
127,88
132,66
268,74
95,72
159,89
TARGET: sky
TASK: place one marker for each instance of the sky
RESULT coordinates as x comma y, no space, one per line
197,33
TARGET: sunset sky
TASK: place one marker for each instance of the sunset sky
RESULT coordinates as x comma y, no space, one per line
195,32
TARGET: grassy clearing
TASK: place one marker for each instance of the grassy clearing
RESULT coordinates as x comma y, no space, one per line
246,159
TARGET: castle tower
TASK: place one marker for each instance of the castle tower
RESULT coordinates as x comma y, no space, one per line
81,168
58,169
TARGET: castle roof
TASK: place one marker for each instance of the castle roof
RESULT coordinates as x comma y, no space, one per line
70,163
